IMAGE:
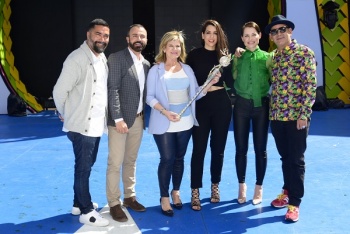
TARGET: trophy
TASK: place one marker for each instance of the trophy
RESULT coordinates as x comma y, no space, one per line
224,62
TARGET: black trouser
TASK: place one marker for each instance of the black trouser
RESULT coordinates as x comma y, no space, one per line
291,145
213,113
245,113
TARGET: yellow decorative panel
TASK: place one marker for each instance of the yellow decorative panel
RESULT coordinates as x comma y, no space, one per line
7,42
7,59
345,84
344,96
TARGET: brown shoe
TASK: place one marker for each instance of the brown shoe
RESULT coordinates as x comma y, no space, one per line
118,214
133,204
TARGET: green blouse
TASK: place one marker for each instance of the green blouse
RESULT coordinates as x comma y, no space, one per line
251,73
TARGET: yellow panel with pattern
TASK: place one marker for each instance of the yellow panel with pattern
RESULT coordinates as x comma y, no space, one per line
274,7
9,71
336,53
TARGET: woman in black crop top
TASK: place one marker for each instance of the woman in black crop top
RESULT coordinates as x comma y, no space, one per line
213,111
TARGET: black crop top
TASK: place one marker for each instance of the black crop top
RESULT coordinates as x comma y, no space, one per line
202,61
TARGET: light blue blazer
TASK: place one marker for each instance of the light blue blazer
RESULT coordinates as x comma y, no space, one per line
157,92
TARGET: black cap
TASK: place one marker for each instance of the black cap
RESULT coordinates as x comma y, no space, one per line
278,19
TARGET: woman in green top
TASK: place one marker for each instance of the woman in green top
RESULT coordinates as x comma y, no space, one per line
251,75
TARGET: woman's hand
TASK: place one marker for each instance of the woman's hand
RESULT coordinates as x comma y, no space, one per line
215,79
172,116
239,51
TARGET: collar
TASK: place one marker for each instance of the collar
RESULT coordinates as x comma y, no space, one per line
252,52
289,49
134,57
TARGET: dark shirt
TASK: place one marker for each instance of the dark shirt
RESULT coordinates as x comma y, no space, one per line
202,61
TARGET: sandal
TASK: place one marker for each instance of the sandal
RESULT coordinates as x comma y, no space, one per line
215,194
195,202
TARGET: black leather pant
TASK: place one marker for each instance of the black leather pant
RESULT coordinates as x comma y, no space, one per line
172,147
245,115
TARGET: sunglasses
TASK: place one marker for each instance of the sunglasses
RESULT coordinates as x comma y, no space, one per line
274,32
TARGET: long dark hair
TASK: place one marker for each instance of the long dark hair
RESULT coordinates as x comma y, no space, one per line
222,42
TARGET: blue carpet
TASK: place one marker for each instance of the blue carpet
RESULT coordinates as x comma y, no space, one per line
37,178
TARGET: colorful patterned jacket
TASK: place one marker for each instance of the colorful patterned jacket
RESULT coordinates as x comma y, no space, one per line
293,83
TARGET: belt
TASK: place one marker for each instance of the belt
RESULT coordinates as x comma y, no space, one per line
139,114
251,100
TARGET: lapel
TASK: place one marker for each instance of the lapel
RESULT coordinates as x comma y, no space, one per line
131,63
161,72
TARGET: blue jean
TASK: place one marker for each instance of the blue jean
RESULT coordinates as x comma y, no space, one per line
172,148
85,150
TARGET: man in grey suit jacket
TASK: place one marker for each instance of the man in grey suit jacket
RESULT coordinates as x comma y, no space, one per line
126,100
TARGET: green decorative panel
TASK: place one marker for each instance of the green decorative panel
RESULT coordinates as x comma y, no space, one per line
336,52
333,79
332,51
332,65
333,92
332,36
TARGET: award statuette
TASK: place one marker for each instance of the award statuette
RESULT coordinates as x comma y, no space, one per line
224,62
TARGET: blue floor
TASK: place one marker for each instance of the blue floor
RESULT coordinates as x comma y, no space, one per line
37,175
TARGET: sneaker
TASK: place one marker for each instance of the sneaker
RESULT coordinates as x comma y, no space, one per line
292,214
76,210
282,200
133,204
93,218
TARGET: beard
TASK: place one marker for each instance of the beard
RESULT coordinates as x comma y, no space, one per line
137,48
99,47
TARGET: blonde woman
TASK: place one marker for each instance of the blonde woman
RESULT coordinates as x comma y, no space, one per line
170,86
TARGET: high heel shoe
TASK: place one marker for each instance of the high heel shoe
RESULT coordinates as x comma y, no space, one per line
169,212
215,193
258,192
242,193
176,194
195,201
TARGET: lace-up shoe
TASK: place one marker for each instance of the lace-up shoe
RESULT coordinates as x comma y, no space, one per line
282,200
292,214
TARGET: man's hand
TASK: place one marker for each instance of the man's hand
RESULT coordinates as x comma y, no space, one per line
59,115
121,127
301,124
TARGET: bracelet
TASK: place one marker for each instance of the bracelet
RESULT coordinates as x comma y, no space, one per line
161,111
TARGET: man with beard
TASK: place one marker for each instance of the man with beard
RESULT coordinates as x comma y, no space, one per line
80,95
126,100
